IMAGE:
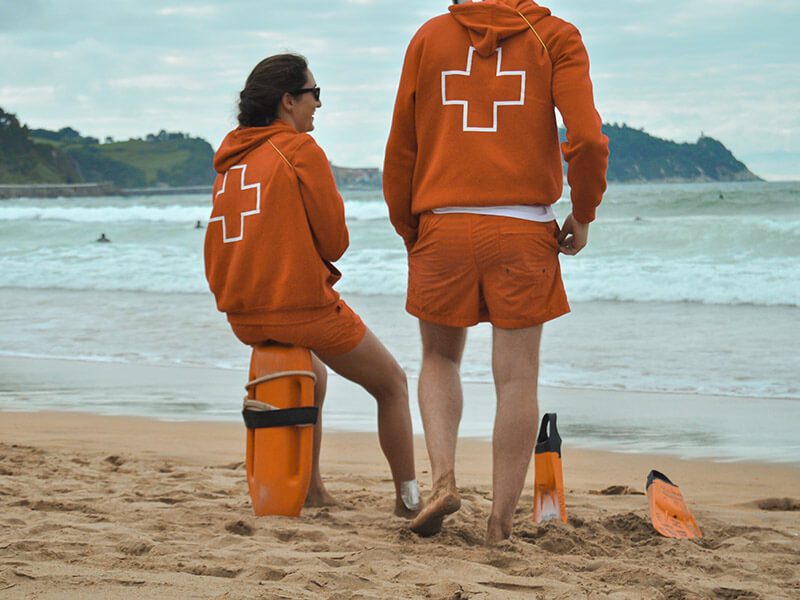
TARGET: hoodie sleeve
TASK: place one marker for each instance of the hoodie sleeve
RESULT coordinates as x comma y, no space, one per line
401,151
323,204
586,148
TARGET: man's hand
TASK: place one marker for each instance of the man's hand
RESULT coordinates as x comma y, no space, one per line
573,236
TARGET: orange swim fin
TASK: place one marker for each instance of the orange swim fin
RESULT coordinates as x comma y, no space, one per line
548,486
668,511
279,414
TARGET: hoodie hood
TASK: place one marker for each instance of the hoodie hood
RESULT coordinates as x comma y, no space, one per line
243,140
492,21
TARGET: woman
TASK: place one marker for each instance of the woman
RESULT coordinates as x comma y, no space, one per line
276,228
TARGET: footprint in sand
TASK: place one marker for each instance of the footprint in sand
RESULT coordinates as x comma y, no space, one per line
734,594
115,460
207,571
239,528
778,504
134,547
617,490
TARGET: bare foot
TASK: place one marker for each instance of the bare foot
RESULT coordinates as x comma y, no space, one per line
444,500
318,497
496,533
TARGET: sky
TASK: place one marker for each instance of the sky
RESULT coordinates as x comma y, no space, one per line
727,68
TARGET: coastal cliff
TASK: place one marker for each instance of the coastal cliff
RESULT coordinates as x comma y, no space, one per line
175,160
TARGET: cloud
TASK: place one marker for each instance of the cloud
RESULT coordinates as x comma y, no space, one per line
672,68
12,96
155,81
197,12
178,60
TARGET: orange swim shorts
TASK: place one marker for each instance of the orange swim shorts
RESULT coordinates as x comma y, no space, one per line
337,331
466,268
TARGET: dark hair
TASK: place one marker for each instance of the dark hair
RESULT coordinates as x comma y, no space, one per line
265,86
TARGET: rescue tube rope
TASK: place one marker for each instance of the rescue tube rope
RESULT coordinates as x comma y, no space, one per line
278,374
257,405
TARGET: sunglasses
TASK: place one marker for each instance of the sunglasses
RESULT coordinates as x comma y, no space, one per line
314,90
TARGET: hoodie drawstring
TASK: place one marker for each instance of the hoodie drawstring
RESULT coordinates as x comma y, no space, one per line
286,160
537,35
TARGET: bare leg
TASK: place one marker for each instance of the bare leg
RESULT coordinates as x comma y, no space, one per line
515,364
440,402
372,367
317,494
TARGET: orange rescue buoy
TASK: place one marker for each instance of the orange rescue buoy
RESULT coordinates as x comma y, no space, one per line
279,413
548,486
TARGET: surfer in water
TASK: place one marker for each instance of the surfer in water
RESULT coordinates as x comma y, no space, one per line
276,228
472,168
103,239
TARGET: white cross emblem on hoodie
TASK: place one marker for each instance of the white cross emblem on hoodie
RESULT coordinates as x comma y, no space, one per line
229,208
480,87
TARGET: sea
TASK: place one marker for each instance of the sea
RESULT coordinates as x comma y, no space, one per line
686,313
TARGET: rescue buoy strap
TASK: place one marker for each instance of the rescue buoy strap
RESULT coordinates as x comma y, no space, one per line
280,417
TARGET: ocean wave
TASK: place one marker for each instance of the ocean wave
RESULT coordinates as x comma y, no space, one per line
730,276
756,281
752,291
106,214
366,211
471,373
686,256
629,276
143,213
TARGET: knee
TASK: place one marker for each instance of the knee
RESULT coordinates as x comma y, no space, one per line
397,382
393,386
447,360
443,344
320,377
516,374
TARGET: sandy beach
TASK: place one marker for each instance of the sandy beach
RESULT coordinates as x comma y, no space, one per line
122,445
125,507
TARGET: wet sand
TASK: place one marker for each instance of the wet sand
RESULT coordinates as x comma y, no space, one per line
686,424
125,507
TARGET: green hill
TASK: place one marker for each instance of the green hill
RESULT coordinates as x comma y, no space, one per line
23,161
31,156
177,159
164,159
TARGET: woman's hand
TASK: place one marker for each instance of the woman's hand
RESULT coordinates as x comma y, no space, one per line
573,236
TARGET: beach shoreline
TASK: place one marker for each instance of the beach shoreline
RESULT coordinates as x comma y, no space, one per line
130,507
685,425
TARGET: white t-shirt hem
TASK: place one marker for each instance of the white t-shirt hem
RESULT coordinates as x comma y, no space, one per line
541,213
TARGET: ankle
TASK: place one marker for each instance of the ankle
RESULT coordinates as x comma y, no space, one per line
497,530
446,481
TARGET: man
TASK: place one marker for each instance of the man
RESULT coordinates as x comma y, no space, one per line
472,168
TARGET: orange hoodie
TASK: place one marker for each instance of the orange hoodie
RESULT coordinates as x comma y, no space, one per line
276,225
474,121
